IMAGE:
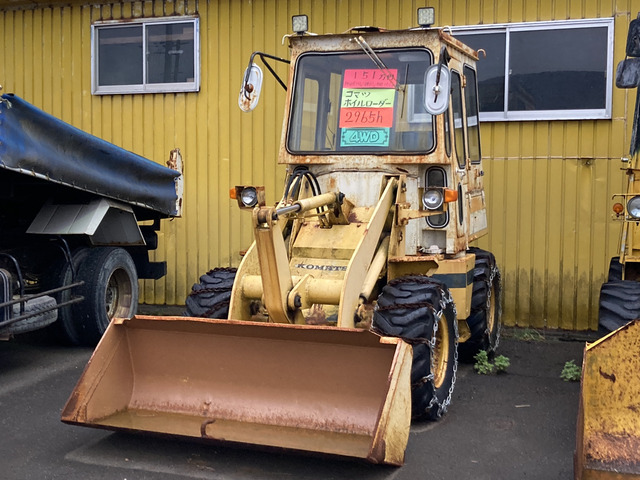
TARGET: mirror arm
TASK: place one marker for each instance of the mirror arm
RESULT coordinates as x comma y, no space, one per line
263,56
444,60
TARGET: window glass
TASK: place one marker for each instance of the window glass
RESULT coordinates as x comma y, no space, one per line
558,70
471,105
458,127
170,50
490,69
447,134
120,50
149,55
343,102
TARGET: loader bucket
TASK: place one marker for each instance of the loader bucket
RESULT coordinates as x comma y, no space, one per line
319,389
608,428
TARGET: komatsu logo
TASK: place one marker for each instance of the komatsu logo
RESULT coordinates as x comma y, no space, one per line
326,268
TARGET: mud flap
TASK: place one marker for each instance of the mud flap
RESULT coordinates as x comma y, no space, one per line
608,429
330,390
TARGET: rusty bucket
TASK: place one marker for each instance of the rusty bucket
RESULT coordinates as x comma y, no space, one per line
608,430
320,389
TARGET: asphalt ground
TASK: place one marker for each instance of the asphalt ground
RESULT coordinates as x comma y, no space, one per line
518,425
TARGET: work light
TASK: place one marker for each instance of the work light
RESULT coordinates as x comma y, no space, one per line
300,24
249,197
426,16
432,199
633,207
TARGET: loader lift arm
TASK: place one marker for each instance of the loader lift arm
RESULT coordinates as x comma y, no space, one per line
286,295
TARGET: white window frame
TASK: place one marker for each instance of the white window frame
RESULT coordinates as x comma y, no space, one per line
193,86
507,28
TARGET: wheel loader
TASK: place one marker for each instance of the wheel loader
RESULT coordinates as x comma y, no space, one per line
346,316
608,427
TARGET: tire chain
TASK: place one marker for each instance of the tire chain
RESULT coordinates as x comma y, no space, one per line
202,291
442,407
444,301
495,272
195,293
217,306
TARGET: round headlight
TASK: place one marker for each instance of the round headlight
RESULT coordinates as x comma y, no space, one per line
249,197
432,199
633,207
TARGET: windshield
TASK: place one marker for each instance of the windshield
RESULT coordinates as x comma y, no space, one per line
342,102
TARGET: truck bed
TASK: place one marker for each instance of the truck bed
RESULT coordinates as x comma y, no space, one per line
36,144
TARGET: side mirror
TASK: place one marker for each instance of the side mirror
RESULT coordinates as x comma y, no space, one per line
251,87
437,85
628,73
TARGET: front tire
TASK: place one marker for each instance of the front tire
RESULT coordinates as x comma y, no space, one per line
619,304
420,310
110,290
210,298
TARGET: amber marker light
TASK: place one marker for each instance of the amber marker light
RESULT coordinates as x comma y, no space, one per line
450,195
233,194
618,208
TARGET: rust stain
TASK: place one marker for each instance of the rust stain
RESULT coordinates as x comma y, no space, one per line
317,316
614,452
608,376
378,451
203,427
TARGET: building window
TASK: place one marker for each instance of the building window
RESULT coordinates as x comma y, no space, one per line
145,56
560,70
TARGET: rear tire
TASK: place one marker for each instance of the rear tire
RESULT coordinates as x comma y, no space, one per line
67,329
210,298
615,270
619,304
110,290
420,310
485,319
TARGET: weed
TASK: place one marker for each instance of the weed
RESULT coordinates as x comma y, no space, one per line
571,372
528,335
482,365
502,363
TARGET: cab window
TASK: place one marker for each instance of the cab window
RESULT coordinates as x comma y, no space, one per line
344,102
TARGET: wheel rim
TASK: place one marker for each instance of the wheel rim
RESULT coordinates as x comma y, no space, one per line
491,313
119,295
441,353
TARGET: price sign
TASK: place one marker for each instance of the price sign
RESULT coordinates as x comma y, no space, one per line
366,117
369,137
370,78
366,107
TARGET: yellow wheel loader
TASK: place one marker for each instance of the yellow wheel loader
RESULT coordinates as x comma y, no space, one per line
346,315
608,427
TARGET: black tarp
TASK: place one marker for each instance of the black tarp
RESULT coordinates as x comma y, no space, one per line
35,143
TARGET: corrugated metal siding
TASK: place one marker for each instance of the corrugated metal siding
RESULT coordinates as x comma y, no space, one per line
549,184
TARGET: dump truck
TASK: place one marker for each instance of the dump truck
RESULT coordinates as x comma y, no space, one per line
346,316
79,216
608,426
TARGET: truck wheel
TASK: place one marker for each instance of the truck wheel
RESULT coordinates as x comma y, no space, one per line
420,310
486,311
67,328
110,290
210,298
619,304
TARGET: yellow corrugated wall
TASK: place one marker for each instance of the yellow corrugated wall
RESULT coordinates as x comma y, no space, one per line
549,184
